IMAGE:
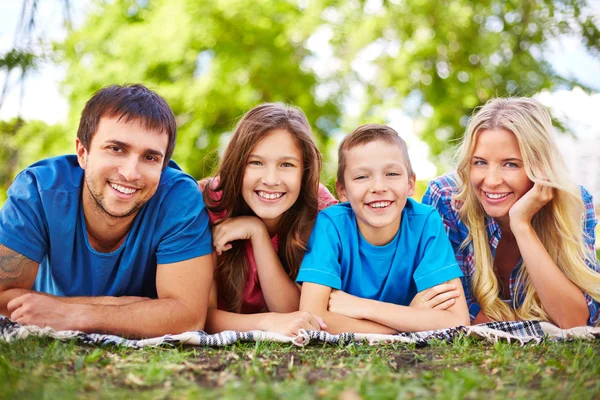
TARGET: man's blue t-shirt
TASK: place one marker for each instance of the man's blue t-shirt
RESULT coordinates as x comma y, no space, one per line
43,220
420,255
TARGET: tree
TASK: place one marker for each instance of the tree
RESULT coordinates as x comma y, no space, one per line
439,60
211,60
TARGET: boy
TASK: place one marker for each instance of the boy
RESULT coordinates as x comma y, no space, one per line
368,258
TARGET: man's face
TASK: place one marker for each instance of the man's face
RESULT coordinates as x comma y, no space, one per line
122,167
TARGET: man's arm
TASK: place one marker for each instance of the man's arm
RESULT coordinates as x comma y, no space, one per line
17,275
315,298
402,318
182,287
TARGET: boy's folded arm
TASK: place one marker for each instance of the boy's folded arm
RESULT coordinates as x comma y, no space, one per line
409,319
315,299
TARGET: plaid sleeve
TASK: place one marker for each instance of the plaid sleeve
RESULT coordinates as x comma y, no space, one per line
439,195
589,234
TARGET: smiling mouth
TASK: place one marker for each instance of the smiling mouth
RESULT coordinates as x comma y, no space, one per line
269,196
123,189
379,204
495,196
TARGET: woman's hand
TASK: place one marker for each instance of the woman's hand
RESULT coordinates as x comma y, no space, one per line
290,323
527,206
346,304
238,228
440,297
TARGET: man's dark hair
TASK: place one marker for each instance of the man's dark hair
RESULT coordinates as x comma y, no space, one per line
128,103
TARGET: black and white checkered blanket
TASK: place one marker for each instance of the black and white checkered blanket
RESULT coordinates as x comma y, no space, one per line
521,332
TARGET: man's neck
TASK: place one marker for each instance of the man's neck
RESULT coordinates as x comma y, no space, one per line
105,233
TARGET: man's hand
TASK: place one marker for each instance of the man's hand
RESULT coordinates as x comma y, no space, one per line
41,310
440,297
290,323
346,304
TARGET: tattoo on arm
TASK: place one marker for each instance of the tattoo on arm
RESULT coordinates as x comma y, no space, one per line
12,264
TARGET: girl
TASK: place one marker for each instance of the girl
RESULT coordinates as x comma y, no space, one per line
522,232
263,205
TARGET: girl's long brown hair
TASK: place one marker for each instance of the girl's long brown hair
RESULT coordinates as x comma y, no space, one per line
296,224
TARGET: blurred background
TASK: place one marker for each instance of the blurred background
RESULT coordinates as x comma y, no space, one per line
419,66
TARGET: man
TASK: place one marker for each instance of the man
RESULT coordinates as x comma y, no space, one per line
114,239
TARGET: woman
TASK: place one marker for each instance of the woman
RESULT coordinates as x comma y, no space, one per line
522,232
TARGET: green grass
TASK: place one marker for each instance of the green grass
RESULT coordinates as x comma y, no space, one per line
43,368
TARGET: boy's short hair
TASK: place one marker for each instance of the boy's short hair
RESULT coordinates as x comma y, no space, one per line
366,134
128,103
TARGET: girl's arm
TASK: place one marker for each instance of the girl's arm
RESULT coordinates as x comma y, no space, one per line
288,324
315,299
402,318
562,299
280,292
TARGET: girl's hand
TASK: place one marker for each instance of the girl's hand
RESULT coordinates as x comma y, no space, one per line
290,323
238,228
527,206
440,297
346,304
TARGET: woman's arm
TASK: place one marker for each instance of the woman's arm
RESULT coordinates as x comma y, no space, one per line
562,299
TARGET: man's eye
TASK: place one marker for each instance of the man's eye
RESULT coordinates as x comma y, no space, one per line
116,149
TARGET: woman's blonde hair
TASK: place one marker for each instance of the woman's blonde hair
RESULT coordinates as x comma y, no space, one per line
557,224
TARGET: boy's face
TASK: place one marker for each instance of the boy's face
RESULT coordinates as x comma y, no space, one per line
377,184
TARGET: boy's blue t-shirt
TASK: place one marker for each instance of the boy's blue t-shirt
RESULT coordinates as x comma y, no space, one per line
419,257
43,220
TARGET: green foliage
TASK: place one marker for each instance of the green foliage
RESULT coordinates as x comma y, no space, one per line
439,60
212,61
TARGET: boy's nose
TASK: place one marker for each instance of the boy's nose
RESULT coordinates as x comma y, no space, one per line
378,186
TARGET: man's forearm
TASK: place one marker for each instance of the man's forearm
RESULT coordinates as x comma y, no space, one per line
140,319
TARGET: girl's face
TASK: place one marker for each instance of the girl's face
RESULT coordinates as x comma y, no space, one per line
497,172
273,177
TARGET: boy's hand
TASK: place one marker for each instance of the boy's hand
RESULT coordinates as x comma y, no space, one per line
290,323
346,304
238,228
440,297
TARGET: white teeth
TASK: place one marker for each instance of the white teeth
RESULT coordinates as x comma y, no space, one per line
380,204
496,195
269,196
122,189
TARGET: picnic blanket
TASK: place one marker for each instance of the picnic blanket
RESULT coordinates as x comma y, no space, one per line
521,332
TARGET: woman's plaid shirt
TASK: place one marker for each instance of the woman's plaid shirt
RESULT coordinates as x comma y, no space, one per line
439,195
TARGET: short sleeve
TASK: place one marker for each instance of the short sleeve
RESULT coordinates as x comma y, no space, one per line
326,199
187,233
321,263
589,227
23,226
438,263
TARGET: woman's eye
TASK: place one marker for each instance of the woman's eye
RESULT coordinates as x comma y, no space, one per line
254,162
511,165
287,164
478,162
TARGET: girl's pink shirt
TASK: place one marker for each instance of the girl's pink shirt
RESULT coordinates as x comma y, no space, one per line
253,300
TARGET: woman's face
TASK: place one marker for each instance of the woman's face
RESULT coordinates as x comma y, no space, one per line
497,172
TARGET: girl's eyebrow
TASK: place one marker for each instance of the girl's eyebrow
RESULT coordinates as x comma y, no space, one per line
279,159
512,159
